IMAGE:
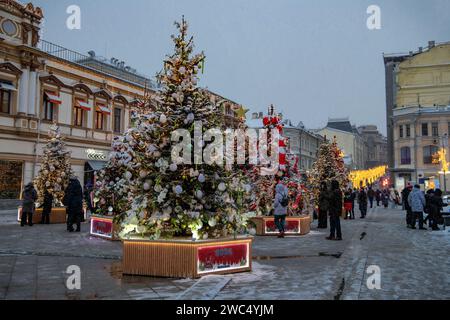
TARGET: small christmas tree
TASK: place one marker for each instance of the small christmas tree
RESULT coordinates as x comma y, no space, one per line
111,195
328,166
172,192
55,171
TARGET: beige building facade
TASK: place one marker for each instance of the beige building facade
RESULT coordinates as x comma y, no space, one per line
421,117
90,98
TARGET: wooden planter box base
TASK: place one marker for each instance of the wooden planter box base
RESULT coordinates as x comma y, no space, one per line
295,225
57,216
104,227
186,258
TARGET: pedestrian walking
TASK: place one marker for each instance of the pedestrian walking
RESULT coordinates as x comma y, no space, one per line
348,204
385,198
29,197
73,199
436,205
416,200
354,197
323,206
335,211
47,207
371,196
280,206
393,197
378,197
405,193
362,200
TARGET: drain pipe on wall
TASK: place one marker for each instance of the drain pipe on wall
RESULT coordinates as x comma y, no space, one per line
38,111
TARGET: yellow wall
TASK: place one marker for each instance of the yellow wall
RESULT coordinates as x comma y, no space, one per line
425,78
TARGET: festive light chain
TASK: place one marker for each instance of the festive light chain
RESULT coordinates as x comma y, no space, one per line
364,177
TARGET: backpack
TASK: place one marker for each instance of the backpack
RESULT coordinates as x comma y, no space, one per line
284,201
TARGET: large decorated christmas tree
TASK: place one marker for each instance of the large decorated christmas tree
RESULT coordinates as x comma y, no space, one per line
55,171
328,166
174,174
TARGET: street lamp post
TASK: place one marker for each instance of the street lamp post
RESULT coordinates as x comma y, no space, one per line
444,144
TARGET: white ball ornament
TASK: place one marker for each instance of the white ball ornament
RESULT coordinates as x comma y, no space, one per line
199,194
201,178
128,175
163,118
212,222
178,189
146,186
222,187
173,167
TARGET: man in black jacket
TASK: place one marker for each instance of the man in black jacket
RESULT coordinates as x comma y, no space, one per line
335,209
47,207
73,199
409,214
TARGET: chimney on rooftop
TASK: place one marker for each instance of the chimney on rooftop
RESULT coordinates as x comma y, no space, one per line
260,115
420,49
255,115
431,44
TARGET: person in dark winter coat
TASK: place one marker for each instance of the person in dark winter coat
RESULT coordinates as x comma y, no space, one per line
378,197
436,205
323,206
428,196
29,197
385,198
371,196
353,198
335,211
47,207
73,199
416,200
362,200
405,194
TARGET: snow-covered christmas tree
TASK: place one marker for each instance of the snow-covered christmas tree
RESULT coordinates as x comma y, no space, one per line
111,195
55,170
172,192
328,166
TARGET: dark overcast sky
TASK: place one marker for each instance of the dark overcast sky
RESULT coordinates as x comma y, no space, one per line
312,59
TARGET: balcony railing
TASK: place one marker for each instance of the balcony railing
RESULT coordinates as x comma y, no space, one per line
95,63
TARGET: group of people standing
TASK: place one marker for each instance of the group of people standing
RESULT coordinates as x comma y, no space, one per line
330,205
73,200
416,203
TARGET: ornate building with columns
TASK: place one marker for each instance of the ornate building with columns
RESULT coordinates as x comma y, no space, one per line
90,98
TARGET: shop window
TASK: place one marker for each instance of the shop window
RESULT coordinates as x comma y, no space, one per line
5,101
10,179
405,155
428,152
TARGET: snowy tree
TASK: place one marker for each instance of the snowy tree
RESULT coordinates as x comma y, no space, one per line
55,171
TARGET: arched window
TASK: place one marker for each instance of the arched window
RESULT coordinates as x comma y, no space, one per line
428,152
405,155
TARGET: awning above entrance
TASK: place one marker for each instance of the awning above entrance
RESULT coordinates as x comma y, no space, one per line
96,165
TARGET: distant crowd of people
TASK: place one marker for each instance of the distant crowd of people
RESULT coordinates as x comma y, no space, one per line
73,200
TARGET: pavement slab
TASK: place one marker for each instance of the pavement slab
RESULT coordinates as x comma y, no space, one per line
413,264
